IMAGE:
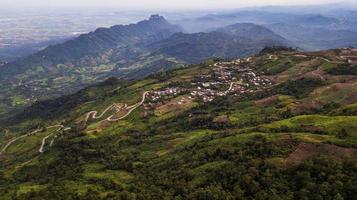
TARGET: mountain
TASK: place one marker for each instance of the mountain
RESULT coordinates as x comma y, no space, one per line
130,52
254,32
13,53
93,57
232,41
315,38
278,125
328,30
316,20
214,21
94,48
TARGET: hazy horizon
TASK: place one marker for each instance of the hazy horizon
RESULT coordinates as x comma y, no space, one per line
162,4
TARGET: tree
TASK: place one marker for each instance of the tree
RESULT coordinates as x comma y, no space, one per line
338,196
342,134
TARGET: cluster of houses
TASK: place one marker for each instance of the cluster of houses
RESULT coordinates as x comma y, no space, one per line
157,95
233,78
236,77
350,59
253,80
226,78
348,55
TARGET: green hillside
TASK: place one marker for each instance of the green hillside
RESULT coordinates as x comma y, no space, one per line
278,125
128,51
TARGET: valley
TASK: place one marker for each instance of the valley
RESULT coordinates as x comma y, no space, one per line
248,127
208,100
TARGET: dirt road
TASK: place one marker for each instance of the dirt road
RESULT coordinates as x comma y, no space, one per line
29,134
132,108
45,138
94,114
17,138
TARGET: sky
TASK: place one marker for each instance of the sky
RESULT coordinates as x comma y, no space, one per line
163,4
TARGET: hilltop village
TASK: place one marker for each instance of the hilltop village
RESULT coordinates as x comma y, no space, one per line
235,78
215,79
225,78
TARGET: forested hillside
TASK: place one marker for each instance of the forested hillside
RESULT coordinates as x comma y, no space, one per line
127,51
278,125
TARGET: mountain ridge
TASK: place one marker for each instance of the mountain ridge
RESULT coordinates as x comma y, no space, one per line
242,39
126,51
101,40
248,128
312,31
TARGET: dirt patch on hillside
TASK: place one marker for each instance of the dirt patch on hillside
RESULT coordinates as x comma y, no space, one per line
337,92
170,145
307,106
306,151
267,101
175,105
315,74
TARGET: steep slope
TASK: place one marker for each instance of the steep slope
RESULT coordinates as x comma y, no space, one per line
132,51
254,32
88,49
87,59
13,53
281,124
232,41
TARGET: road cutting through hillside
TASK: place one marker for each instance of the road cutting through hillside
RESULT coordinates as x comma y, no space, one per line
132,108
17,138
45,138
93,114
54,137
325,59
53,140
230,87
29,134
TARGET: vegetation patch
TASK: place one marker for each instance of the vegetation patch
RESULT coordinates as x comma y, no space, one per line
341,69
277,66
298,88
306,151
347,110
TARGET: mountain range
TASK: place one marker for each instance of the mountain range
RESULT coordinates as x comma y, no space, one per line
229,42
222,107
312,31
127,51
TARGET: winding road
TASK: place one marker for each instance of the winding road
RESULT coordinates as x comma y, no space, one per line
230,87
131,109
91,114
325,59
45,138
17,138
32,133
94,114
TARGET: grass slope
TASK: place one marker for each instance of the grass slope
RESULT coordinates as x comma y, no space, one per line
296,139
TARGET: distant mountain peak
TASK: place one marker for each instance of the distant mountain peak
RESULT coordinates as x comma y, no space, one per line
157,17
102,46
254,32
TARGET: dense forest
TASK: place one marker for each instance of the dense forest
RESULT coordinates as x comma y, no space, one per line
290,136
